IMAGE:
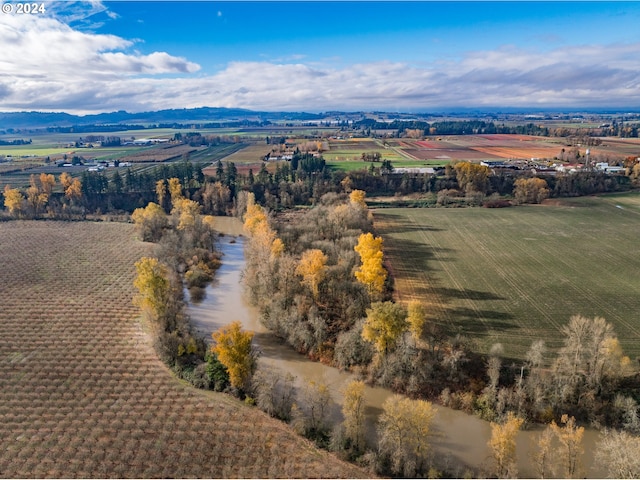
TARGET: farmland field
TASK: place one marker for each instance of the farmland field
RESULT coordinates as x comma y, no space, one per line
82,393
516,275
249,154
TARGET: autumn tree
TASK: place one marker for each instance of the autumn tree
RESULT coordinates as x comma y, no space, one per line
503,446
65,180
353,412
13,201
472,176
255,218
152,282
312,268
416,317
161,192
186,214
371,272
384,325
347,184
216,198
47,182
263,253
175,191
404,429
150,222
356,198
234,350
543,454
530,190
570,450
72,187
37,196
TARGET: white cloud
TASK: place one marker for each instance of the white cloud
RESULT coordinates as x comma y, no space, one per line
47,65
44,60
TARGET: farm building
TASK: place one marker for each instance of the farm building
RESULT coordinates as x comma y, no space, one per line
605,167
427,170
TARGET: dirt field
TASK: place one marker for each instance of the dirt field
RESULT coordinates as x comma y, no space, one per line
159,154
82,393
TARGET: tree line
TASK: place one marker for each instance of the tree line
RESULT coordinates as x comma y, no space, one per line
460,127
305,179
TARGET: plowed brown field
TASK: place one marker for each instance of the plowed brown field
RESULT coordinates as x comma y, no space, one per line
82,393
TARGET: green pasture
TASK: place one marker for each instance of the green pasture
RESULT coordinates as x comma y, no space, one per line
351,165
515,275
32,151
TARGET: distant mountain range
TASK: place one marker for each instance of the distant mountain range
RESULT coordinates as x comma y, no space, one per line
21,120
239,116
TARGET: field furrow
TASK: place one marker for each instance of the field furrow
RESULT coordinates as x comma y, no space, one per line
516,275
84,395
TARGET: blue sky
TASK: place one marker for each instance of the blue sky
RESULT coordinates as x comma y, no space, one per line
317,56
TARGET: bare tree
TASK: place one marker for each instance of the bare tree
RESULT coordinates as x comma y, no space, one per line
619,453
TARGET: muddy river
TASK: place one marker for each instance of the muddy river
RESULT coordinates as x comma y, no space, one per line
460,439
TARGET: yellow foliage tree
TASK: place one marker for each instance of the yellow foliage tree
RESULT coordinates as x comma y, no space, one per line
72,186
530,190
416,316
36,198
175,191
472,176
570,438
371,273
277,248
187,212
385,323
150,221
47,182
65,180
356,197
347,184
353,412
503,445
542,457
255,218
152,282
312,268
404,428
13,200
161,191
233,349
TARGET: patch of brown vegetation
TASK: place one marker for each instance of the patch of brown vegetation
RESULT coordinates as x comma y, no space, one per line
83,394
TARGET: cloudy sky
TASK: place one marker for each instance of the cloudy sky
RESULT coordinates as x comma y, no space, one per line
89,57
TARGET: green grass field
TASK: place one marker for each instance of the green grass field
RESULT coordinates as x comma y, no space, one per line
516,275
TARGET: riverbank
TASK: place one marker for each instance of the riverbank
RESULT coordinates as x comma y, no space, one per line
460,440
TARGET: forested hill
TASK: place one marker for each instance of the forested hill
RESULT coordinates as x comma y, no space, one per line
21,120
